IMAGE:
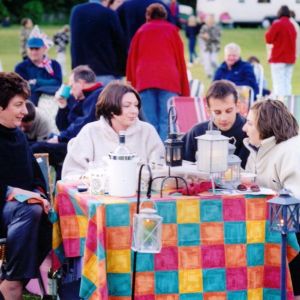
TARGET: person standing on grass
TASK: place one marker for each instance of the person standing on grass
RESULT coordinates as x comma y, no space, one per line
282,38
156,66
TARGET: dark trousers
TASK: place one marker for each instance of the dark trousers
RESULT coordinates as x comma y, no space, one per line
294,266
57,154
29,237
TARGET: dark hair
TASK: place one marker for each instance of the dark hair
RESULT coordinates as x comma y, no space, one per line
274,119
85,73
30,116
110,99
292,14
283,11
253,59
220,89
11,85
24,21
156,11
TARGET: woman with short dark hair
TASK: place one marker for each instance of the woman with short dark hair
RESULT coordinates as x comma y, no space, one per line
274,146
24,225
117,108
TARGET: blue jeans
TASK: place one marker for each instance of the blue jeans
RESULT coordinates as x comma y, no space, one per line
155,109
105,79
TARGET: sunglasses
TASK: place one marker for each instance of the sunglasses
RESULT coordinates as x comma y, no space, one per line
34,48
252,188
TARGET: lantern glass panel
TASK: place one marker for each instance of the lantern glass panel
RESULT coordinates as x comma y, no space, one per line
212,156
174,151
284,218
232,174
147,232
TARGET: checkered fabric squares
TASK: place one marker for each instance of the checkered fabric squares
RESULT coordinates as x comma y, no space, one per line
213,248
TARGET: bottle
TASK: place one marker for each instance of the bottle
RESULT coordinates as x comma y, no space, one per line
121,151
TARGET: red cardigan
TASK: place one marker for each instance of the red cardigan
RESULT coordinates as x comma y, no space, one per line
282,35
156,59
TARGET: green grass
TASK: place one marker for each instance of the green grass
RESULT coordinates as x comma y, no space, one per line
250,40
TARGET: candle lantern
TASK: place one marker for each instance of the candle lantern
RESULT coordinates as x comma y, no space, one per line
147,227
212,155
212,152
231,176
174,150
284,218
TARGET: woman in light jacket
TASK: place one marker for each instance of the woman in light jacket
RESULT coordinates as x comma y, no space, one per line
117,108
274,146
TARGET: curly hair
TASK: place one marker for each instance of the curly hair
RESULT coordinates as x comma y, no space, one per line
109,102
11,85
274,119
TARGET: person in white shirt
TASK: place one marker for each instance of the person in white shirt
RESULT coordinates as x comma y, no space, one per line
117,109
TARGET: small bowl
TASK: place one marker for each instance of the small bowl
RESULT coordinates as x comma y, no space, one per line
247,178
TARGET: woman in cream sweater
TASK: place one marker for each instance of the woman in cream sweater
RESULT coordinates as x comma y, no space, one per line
274,146
117,108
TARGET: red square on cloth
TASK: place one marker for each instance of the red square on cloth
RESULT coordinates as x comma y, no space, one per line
213,256
167,259
234,209
236,278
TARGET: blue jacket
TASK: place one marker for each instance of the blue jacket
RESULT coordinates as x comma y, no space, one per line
97,39
190,143
88,115
45,82
241,73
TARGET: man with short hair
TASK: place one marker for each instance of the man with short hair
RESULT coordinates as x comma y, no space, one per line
221,100
72,115
235,69
35,124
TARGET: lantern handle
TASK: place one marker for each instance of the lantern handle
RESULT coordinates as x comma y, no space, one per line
139,186
172,118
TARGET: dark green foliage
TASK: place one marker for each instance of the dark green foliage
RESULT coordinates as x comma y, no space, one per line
34,10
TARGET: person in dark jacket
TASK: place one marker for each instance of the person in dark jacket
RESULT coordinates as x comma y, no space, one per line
24,224
97,40
132,16
72,115
235,69
222,100
43,74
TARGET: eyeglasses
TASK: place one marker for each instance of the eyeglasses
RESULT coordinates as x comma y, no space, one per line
253,188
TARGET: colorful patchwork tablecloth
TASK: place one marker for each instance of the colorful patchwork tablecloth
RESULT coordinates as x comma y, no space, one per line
214,247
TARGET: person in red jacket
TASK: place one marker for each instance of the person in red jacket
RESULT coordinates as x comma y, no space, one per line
156,66
282,39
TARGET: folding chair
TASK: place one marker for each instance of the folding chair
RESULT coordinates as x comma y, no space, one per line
190,111
246,99
196,88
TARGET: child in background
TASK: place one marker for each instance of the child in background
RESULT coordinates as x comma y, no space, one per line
259,75
192,30
26,28
210,35
61,40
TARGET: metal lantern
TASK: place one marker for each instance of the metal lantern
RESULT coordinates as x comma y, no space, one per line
284,213
232,175
147,227
174,150
212,152
284,218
